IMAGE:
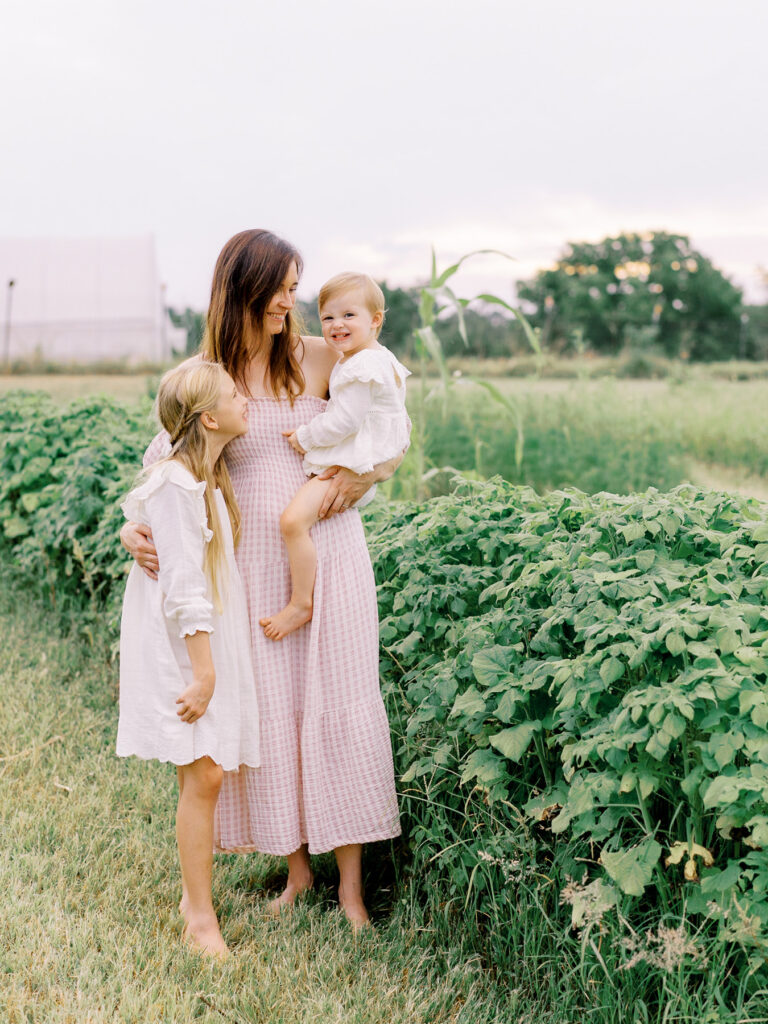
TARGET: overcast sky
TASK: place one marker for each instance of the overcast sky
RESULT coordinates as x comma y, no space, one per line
366,132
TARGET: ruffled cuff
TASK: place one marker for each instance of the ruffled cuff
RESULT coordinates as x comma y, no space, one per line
304,437
195,621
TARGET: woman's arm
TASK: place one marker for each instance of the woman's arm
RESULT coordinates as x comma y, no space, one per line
136,538
347,487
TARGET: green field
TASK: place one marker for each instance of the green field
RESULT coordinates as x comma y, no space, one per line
575,682
618,435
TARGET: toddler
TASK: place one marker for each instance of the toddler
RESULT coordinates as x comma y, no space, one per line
364,424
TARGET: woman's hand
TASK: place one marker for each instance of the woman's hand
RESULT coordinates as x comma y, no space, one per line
136,538
344,489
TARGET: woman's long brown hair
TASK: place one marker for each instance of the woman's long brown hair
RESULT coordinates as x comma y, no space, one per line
249,272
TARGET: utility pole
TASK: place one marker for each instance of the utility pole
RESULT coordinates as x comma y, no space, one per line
7,337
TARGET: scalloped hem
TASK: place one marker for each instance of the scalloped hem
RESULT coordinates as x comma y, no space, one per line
181,764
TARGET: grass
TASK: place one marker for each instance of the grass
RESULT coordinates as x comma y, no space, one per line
614,435
65,387
89,923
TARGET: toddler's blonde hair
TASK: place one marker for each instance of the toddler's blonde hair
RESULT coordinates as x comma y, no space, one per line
185,393
349,281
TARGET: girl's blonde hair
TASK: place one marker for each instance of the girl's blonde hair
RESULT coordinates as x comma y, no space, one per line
185,393
373,296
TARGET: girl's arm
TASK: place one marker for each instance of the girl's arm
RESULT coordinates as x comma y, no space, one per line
195,699
175,514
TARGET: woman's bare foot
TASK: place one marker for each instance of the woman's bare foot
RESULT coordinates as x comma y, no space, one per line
354,910
292,617
287,898
204,936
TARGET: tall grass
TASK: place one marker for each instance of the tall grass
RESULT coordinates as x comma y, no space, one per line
605,435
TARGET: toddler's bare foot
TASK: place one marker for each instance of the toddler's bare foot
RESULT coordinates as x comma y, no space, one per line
287,897
204,936
289,619
355,911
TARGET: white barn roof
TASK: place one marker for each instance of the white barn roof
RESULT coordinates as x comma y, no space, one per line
84,299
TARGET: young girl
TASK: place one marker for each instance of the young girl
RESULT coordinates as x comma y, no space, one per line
364,423
187,690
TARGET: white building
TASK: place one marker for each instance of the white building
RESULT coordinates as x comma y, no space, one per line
84,299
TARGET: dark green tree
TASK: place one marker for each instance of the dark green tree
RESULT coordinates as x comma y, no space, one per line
194,323
401,320
637,289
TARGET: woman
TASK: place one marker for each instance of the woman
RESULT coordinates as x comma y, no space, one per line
326,780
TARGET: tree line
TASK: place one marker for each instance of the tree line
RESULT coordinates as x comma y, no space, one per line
651,292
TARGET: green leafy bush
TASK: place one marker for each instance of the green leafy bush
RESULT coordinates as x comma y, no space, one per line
62,473
579,683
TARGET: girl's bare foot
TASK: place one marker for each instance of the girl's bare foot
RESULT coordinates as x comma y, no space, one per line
287,897
203,935
354,910
292,617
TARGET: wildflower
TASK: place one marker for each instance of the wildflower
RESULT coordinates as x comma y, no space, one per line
589,903
666,949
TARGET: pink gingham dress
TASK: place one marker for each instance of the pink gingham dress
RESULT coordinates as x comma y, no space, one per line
326,775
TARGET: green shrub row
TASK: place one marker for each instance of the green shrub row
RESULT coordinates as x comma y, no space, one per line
579,682
63,471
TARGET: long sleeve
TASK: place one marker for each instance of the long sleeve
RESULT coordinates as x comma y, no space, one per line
342,418
174,515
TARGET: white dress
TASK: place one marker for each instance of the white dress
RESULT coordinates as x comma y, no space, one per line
157,614
365,421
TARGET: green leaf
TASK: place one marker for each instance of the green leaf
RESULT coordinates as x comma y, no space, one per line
675,643
483,766
727,640
15,527
632,870
632,531
491,665
721,881
505,709
470,702
513,743
645,559
611,670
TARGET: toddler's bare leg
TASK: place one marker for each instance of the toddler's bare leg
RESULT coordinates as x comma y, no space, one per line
295,523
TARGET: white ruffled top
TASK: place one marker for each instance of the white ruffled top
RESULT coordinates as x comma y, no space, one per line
157,615
365,422
179,524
